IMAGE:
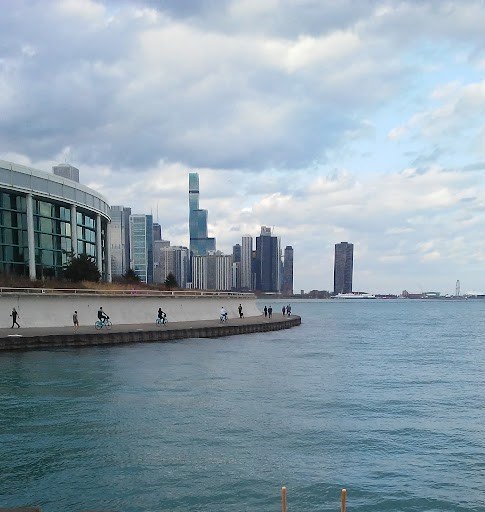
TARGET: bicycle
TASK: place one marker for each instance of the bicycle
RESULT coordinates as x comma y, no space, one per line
223,318
106,322
162,320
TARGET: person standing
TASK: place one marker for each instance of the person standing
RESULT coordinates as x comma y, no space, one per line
14,316
270,312
239,308
283,310
75,321
288,310
265,310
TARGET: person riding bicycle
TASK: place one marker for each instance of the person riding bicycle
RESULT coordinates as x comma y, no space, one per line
162,316
223,314
102,316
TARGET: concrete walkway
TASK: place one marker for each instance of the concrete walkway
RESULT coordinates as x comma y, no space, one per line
44,337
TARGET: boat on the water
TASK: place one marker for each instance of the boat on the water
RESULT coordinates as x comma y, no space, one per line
354,296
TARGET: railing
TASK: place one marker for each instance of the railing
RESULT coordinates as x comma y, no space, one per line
122,293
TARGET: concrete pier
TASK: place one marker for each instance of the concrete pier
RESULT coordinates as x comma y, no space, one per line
48,337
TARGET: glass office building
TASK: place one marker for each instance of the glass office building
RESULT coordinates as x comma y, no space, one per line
343,268
141,246
200,243
44,219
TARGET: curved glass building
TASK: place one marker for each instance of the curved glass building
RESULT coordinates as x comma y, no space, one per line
45,218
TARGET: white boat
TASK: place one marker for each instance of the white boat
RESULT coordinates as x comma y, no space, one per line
354,296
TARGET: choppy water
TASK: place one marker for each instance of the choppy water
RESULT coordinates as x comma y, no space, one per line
385,398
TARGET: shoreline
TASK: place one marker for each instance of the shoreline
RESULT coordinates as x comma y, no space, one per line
35,338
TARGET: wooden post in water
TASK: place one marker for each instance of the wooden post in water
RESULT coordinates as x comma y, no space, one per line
284,508
343,498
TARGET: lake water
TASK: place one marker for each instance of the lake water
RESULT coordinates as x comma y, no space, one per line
384,398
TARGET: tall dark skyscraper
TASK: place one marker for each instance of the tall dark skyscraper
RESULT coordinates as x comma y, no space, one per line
343,268
157,231
287,285
200,244
267,261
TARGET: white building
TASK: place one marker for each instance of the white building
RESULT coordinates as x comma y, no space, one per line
212,272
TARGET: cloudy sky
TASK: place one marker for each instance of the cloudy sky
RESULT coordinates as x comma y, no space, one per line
360,121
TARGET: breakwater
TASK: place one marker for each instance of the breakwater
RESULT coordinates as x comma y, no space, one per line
39,338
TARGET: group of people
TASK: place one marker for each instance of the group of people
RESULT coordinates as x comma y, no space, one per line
223,313
286,309
268,311
161,315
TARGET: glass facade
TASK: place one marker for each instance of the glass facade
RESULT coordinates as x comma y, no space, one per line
141,246
31,202
343,268
200,244
14,253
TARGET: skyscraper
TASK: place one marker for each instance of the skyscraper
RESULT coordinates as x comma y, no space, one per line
287,287
200,243
66,171
343,268
141,246
157,231
267,261
246,263
120,240
236,267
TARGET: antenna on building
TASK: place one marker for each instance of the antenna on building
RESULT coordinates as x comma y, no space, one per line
457,288
158,220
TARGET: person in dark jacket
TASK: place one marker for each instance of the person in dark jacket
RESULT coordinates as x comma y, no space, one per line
14,315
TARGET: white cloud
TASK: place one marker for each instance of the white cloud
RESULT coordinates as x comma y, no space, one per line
264,98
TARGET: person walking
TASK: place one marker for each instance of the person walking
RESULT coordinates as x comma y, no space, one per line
265,310
14,316
75,321
283,310
239,308
270,312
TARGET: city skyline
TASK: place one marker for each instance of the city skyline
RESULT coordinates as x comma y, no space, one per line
326,122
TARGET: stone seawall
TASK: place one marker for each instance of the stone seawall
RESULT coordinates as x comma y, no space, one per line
29,339
54,308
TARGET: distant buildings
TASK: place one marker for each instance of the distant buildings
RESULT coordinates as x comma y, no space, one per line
141,246
120,240
343,268
66,171
287,284
200,243
268,261
157,231
169,259
212,271
246,263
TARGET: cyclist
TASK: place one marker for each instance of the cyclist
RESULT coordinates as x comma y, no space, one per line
102,316
223,314
162,316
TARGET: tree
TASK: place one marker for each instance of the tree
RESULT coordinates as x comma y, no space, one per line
131,277
82,268
171,282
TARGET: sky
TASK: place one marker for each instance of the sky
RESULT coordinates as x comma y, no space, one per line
359,121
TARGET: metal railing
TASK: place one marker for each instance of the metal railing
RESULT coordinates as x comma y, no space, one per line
122,293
